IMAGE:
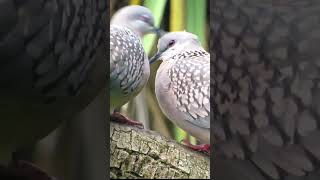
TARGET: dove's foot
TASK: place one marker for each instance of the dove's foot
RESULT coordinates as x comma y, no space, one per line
23,170
30,170
201,148
124,120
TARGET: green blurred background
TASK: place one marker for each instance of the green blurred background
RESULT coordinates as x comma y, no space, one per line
170,15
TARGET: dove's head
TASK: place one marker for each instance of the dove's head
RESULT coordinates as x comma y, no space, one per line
137,18
173,43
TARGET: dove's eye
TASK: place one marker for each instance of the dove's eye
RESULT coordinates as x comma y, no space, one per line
171,43
145,19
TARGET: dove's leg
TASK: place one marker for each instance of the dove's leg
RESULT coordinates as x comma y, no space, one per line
201,147
28,169
116,116
24,170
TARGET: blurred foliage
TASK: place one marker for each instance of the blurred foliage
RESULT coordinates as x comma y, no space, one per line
170,15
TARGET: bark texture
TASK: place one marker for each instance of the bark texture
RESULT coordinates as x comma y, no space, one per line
139,153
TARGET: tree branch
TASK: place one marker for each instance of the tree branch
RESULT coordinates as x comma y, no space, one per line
140,153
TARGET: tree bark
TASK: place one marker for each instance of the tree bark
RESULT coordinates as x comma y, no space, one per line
140,153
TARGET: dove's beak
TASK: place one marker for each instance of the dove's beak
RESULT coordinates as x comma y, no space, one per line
155,58
158,31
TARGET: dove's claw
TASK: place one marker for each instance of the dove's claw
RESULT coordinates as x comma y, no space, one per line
122,119
202,147
24,170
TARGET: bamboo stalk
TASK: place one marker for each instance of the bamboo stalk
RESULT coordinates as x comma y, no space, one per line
135,2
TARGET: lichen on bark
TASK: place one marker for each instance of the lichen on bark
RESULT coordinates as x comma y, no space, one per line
139,153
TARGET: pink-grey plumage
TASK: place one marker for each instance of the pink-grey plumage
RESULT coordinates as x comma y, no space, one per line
182,83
